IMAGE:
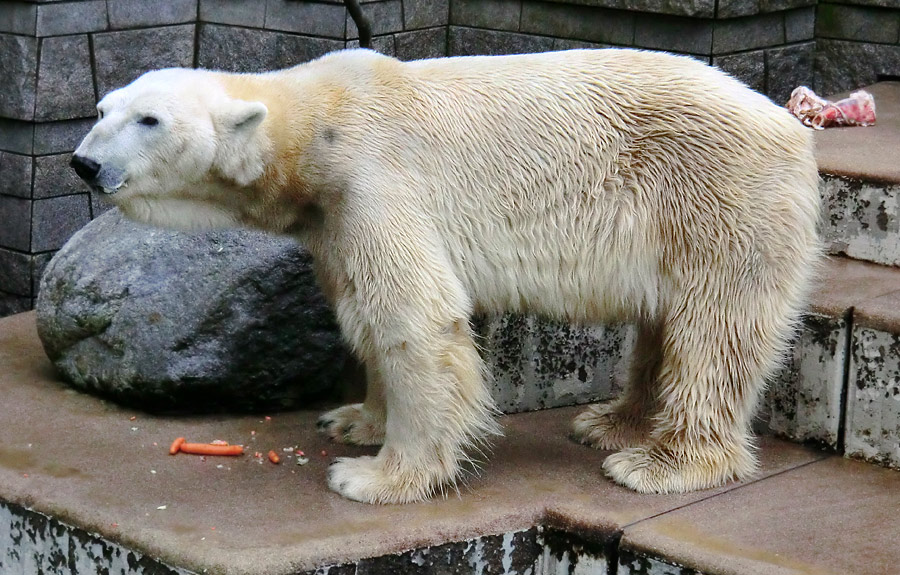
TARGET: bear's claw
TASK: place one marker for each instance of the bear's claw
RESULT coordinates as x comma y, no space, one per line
352,425
601,427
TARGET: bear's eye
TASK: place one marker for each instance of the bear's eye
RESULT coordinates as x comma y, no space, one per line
148,121
99,114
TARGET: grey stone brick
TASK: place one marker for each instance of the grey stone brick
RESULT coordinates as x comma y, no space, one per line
13,304
694,8
18,18
238,12
800,24
804,399
135,13
882,3
99,204
842,66
873,412
56,219
787,68
244,50
15,174
18,68
16,136
781,5
491,14
123,56
421,44
858,23
313,18
425,13
861,219
748,67
384,17
59,137
15,233
748,33
54,177
65,85
16,273
735,8
673,34
62,18
472,41
381,44
539,364
566,44
578,23
38,264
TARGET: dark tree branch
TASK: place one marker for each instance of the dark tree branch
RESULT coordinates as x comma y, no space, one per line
365,29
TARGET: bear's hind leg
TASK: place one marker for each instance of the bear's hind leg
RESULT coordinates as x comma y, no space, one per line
358,423
626,421
717,350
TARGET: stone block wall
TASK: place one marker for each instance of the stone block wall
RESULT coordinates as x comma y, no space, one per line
58,58
858,43
769,45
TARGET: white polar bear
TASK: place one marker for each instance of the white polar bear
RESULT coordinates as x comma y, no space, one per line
586,185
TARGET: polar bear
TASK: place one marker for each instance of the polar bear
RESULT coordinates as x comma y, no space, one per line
587,186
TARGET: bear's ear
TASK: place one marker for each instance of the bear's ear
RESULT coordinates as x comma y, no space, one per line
241,149
241,115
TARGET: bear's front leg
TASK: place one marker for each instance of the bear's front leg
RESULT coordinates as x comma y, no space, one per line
438,412
405,314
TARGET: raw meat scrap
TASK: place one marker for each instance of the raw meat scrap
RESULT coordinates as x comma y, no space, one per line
856,110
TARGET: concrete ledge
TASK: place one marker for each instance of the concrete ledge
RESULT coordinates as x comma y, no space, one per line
831,517
105,471
868,154
860,184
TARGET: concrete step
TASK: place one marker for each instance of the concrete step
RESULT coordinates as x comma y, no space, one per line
838,387
86,487
860,185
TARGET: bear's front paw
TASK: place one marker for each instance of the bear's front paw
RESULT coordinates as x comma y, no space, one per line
659,470
601,427
353,425
365,479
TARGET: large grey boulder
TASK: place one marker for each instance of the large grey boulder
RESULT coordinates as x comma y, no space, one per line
172,321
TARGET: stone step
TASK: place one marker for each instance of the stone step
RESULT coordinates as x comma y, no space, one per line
86,487
860,184
839,385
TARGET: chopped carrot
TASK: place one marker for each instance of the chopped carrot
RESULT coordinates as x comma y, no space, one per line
273,457
207,449
176,446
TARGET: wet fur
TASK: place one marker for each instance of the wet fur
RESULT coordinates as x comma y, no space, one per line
587,186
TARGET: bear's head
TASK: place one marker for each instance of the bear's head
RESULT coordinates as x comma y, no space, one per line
167,143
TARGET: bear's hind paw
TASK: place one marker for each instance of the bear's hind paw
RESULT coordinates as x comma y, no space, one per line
353,425
600,427
657,470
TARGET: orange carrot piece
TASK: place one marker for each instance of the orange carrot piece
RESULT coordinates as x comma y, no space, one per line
273,457
207,449
176,446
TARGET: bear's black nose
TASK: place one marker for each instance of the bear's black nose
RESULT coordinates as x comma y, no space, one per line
86,168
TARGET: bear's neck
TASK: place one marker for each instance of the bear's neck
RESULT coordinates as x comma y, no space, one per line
279,201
